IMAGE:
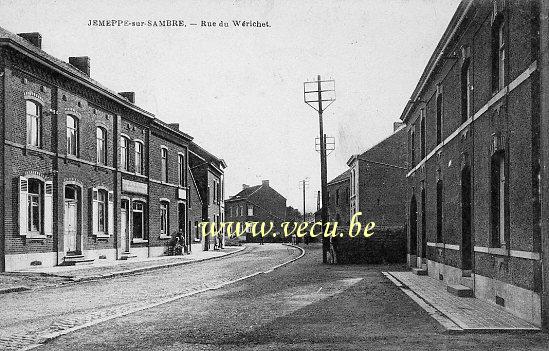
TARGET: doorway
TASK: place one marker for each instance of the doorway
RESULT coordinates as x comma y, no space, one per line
71,219
423,226
124,226
466,240
413,226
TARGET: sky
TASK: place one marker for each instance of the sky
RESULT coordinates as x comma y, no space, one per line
239,90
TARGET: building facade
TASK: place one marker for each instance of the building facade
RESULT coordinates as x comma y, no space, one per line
259,203
86,174
374,186
473,127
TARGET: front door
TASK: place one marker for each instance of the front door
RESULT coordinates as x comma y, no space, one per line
70,225
125,233
466,239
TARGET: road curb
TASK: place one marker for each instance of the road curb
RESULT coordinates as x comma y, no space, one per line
14,289
50,336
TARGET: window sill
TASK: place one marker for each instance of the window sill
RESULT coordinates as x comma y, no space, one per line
35,236
139,241
162,236
102,236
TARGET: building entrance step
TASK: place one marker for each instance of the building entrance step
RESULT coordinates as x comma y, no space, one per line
76,260
460,290
467,281
419,271
127,256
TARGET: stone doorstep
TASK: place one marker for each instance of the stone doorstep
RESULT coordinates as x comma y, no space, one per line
14,289
460,290
419,271
467,281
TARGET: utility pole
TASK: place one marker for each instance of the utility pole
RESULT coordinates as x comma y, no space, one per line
315,94
303,184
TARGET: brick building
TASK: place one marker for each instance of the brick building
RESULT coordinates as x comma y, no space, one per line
208,179
473,126
86,174
374,185
259,203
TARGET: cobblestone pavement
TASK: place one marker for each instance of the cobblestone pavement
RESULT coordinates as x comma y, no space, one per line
304,305
31,317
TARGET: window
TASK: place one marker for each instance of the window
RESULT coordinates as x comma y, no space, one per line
422,134
196,231
439,118
337,196
34,123
250,210
72,135
181,168
218,192
101,212
412,148
164,165
34,207
465,90
439,211
498,199
138,157
138,218
498,53
101,142
124,145
164,230
241,210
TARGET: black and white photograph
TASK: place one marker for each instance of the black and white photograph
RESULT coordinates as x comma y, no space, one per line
274,175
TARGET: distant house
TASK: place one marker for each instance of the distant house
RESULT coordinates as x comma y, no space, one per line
374,185
259,203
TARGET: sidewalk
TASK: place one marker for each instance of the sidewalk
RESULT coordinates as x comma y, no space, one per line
49,276
457,314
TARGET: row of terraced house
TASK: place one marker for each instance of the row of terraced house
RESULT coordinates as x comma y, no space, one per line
86,174
461,182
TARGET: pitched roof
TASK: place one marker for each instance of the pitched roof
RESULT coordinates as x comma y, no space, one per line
64,68
343,176
244,193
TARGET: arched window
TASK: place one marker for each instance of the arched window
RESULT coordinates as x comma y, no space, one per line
439,118
498,199
138,157
422,133
498,53
164,215
138,220
72,135
101,142
439,211
124,145
102,212
164,166
181,168
34,207
34,123
465,90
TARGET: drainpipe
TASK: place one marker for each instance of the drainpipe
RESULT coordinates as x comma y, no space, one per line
543,67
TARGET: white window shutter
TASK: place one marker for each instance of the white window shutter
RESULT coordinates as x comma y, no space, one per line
110,213
48,208
23,207
94,210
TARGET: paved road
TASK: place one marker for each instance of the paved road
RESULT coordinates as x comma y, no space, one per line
26,316
302,306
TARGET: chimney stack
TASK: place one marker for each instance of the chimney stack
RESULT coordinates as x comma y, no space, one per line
34,38
245,186
397,125
174,126
82,63
128,95
265,182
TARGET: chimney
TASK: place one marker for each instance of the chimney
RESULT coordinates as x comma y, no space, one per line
34,38
397,125
174,126
265,182
82,63
128,95
245,186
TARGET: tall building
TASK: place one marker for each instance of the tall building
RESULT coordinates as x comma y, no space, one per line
473,126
